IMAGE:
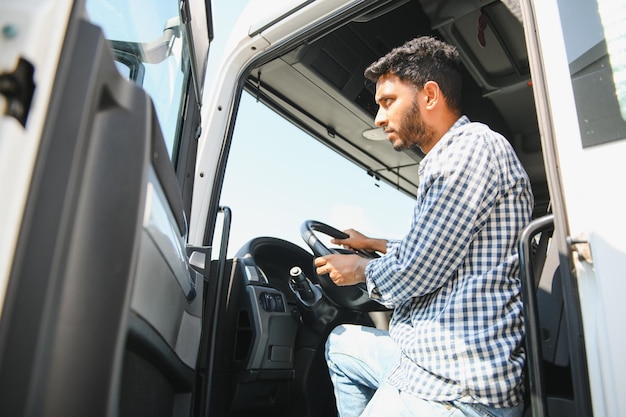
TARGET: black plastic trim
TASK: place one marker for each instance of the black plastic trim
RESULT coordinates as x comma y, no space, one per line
534,354
167,177
147,343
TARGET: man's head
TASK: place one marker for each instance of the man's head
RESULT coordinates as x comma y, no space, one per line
421,60
418,89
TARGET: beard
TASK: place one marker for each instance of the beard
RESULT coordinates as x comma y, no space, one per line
413,131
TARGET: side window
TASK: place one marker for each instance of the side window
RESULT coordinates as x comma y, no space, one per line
595,38
148,42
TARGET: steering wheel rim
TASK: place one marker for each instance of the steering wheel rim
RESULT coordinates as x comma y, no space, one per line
352,297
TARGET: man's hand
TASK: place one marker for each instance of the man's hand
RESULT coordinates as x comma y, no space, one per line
358,241
342,269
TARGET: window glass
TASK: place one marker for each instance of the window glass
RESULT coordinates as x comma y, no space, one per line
595,38
147,40
279,176
613,16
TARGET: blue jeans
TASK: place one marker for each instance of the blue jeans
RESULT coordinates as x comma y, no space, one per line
359,358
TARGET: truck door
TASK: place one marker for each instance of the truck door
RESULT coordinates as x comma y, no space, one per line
99,113
579,78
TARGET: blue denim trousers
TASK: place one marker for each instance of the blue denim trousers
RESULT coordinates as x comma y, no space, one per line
359,358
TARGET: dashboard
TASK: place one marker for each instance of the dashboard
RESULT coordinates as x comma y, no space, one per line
271,343
268,261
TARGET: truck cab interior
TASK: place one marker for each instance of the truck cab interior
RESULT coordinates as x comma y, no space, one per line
270,360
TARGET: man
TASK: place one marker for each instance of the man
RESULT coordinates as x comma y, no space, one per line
454,345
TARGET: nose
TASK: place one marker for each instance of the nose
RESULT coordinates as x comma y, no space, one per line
381,117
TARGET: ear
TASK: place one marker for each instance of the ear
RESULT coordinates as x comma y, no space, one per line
432,94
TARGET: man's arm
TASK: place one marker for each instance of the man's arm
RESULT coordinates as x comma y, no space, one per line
358,241
453,200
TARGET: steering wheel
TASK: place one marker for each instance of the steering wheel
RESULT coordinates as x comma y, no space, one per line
352,297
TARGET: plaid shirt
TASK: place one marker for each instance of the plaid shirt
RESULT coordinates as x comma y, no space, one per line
454,279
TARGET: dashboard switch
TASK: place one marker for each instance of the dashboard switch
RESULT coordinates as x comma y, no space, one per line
272,302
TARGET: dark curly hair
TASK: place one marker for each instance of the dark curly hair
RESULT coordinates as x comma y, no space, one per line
420,60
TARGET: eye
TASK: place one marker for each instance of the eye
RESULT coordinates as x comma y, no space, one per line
386,102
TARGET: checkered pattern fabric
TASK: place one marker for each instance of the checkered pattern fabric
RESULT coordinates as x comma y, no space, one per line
453,281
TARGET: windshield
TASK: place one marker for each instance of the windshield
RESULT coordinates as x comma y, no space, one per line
148,44
279,176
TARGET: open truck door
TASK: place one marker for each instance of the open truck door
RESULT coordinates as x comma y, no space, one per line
576,51
99,116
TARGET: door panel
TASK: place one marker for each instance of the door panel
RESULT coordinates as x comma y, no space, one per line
90,327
